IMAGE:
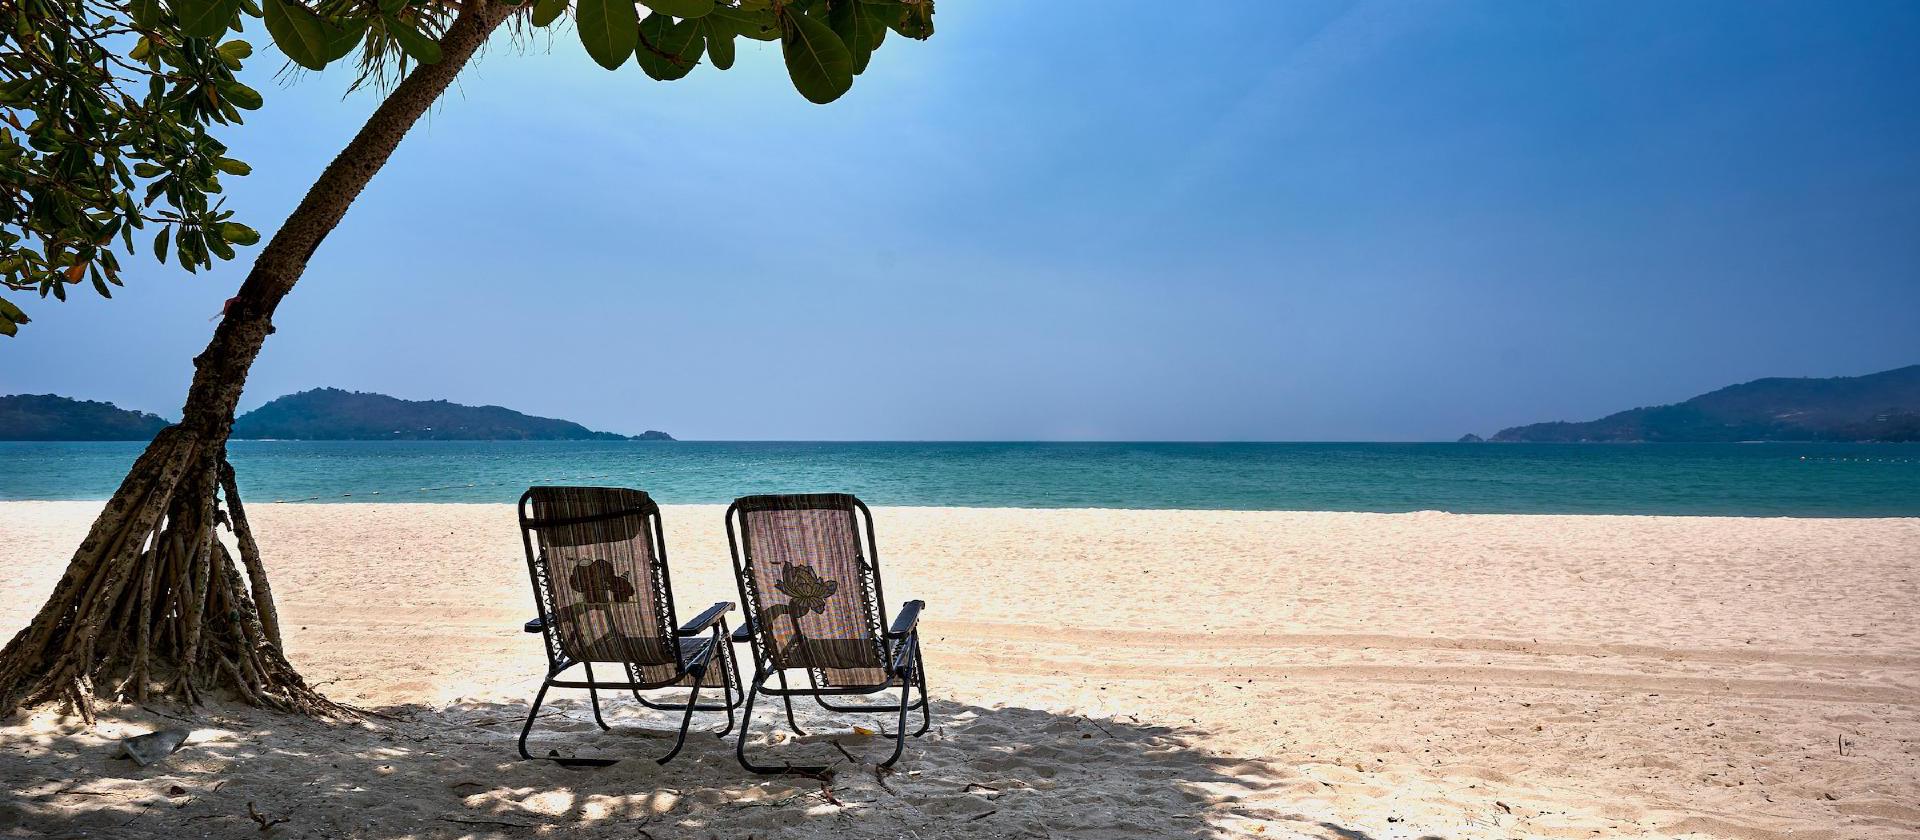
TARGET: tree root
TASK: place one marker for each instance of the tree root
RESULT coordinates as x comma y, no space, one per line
154,605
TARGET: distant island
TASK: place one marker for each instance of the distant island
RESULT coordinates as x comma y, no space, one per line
334,414
319,414
1879,407
51,417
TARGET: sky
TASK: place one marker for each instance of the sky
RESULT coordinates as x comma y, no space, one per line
1094,221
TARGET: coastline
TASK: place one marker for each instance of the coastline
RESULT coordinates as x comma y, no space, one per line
1458,674
1799,480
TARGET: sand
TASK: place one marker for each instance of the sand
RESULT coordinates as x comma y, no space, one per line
1095,674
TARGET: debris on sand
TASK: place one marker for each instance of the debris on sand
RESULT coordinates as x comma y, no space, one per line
153,746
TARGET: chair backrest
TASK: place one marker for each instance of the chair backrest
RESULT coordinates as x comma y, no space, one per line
810,589
598,561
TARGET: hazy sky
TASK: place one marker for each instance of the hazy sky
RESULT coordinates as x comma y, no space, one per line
1303,220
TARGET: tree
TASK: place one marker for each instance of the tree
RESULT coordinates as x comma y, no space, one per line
153,603
96,145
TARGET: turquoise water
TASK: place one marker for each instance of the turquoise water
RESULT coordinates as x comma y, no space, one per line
1718,479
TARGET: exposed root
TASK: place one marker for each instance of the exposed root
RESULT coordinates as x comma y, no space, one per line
153,603
250,555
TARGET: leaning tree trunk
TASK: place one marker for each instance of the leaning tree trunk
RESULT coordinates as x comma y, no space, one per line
153,602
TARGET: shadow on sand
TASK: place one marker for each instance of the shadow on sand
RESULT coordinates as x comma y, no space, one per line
981,772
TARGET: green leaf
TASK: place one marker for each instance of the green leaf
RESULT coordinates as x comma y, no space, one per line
298,32
205,18
236,49
190,248
7,327
344,36
240,95
141,49
917,22
668,50
681,8
310,40
857,29
884,12
160,241
238,234
146,13
547,11
818,63
609,29
422,48
759,24
719,36
12,313
233,167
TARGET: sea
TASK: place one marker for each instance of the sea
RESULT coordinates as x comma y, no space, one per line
1760,479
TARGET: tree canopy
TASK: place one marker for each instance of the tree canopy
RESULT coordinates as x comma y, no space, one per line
107,129
109,109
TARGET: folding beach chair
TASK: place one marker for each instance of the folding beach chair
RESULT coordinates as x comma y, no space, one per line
814,605
598,560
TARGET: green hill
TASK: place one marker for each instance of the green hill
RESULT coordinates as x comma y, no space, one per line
334,414
1877,407
51,417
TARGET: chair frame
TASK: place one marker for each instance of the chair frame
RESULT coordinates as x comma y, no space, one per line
711,622
903,664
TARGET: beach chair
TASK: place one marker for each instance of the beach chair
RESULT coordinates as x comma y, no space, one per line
814,605
598,561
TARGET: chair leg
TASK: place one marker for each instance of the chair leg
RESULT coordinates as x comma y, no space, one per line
686,721
594,696
787,698
920,676
740,744
729,683
918,680
527,728
900,732
538,698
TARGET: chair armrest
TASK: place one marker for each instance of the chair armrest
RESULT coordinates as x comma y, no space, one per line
907,620
535,625
744,633
704,621
903,653
697,664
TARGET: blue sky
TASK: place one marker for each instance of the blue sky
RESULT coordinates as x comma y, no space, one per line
1270,221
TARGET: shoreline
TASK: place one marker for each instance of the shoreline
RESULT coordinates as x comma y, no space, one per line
361,500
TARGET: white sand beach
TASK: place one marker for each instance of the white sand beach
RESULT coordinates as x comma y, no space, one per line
1095,674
